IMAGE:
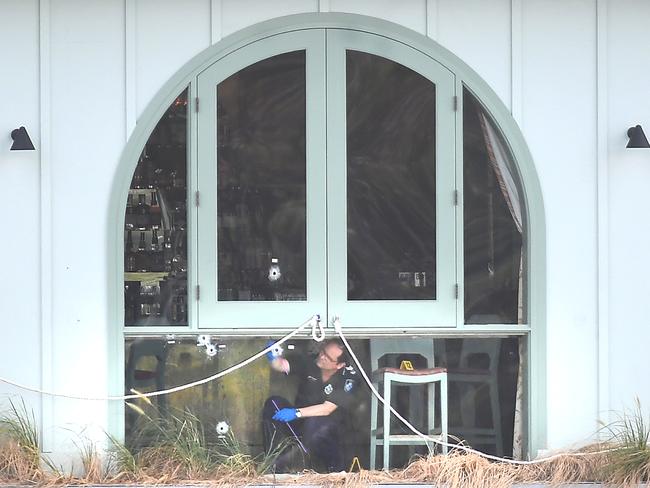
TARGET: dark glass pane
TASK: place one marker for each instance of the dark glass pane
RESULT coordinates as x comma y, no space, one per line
391,215
485,395
261,211
155,240
486,383
494,229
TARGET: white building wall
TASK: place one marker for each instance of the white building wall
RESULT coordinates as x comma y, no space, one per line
101,62
558,103
628,104
20,289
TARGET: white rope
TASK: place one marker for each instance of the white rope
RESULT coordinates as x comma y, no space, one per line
339,330
312,321
317,335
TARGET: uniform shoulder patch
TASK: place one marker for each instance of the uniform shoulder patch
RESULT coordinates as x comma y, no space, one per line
349,370
349,384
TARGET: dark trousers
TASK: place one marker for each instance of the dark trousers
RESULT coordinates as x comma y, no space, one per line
319,435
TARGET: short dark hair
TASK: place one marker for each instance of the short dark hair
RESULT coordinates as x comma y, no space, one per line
345,355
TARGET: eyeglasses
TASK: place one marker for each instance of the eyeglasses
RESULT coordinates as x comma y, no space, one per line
327,356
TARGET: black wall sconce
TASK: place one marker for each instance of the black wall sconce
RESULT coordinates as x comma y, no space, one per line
637,138
22,142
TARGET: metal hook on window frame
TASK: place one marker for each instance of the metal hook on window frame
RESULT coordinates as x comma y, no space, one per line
317,330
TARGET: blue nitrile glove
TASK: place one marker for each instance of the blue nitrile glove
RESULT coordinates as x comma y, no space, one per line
285,415
274,353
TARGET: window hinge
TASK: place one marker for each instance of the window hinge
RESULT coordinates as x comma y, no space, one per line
197,198
198,292
456,198
457,290
196,104
455,103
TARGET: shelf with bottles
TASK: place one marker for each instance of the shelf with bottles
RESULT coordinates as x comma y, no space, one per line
155,237
154,254
155,301
161,167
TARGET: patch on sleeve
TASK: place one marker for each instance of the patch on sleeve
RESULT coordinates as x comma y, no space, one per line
349,384
349,370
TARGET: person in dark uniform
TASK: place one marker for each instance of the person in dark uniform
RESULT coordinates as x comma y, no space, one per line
324,395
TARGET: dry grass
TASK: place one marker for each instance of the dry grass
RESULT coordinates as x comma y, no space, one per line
155,466
18,465
180,454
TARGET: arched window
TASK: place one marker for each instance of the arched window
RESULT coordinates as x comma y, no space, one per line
331,170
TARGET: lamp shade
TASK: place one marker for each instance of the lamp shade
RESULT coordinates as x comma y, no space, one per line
22,142
637,138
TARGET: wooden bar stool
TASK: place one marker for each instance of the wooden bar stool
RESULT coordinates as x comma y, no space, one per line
420,376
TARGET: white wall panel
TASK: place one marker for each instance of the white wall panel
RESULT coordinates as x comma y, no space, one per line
237,14
410,13
629,170
481,37
87,136
89,75
168,33
559,122
19,200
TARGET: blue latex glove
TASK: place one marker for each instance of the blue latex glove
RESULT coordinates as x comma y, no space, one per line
285,415
273,354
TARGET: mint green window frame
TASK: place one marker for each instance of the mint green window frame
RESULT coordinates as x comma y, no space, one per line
375,314
214,313
534,328
326,201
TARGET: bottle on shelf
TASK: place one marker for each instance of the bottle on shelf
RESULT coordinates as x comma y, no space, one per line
142,259
138,177
179,261
179,216
179,306
177,179
154,211
129,256
131,305
156,253
130,216
142,212
128,247
155,246
168,251
149,171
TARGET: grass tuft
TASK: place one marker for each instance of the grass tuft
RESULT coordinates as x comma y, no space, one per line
629,459
20,455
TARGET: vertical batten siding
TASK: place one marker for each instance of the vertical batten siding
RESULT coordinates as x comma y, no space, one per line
432,17
411,14
45,235
481,37
87,122
238,14
130,68
559,114
20,248
216,20
602,203
167,34
628,100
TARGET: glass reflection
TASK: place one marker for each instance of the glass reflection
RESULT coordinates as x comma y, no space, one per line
494,227
261,163
155,240
485,390
390,181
